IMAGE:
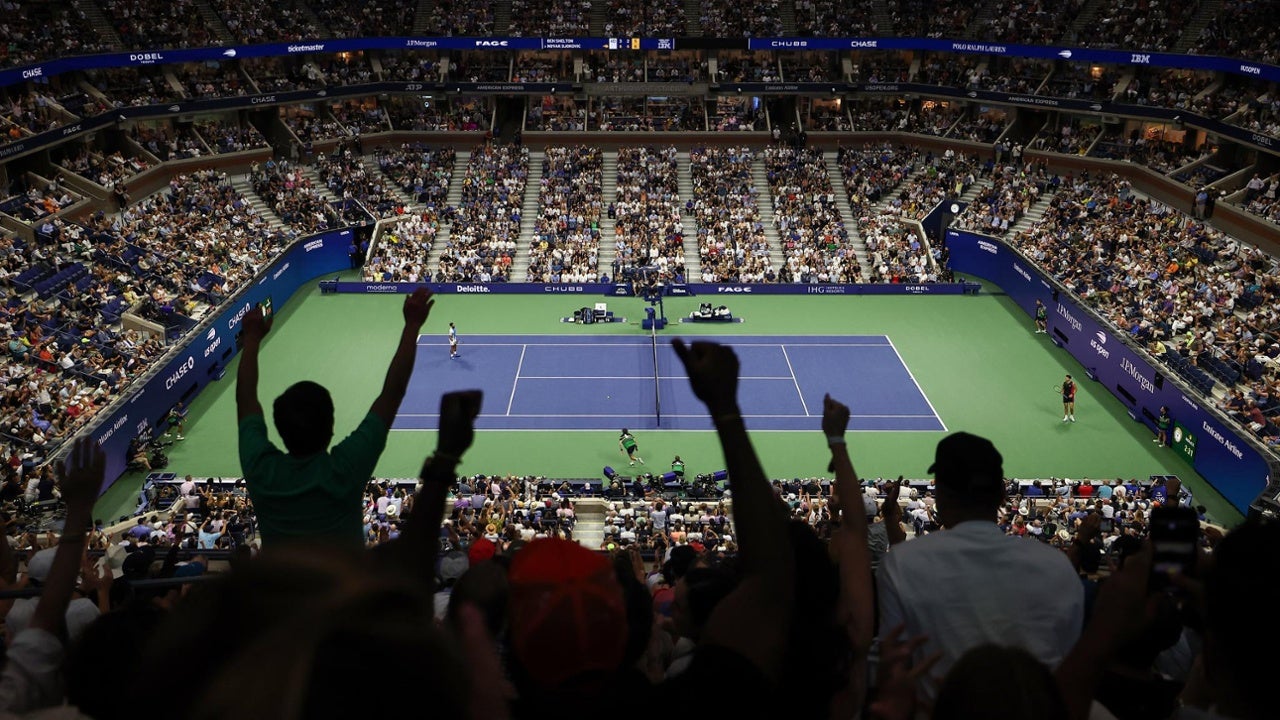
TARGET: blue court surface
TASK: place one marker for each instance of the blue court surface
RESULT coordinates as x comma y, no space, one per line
574,382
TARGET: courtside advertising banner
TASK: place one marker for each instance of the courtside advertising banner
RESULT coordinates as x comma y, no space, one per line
203,355
1213,447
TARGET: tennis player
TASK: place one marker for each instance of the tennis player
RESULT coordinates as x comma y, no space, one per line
1068,400
627,444
453,341
1042,318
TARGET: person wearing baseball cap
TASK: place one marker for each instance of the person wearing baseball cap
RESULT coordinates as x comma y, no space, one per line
970,584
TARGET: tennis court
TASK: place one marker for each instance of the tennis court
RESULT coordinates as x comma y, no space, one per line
574,382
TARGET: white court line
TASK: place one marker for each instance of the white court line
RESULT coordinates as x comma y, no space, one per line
627,414
608,345
916,382
691,430
638,377
794,379
515,381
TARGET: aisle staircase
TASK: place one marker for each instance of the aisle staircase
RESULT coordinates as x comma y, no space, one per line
608,226
215,23
684,185
242,185
460,162
422,18
831,157
99,21
530,208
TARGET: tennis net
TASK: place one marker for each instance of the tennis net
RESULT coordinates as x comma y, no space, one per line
657,382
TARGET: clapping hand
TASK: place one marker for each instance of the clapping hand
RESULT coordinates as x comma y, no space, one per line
713,373
417,306
835,417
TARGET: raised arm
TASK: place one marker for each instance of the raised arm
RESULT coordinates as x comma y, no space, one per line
253,328
416,309
763,600
851,552
416,549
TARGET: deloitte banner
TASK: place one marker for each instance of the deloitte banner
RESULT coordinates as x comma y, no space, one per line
206,351
624,289
1215,448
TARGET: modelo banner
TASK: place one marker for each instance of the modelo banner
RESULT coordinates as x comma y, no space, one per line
1214,448
206,351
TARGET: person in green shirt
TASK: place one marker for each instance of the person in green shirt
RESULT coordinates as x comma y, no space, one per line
627,444
311,492
677,467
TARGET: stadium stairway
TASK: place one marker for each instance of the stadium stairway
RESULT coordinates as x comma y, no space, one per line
1033,215
411,204
598,19
764,203
460,162
1191,33
422,18
1084,21
787,14
693,17
242,185
530,209
846,210
94,15
215,23
684,185
323,188
608,194
882,16
501,17
589,530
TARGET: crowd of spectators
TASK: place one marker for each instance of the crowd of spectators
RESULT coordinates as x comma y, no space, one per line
828,18
550,18
1168,88
287,21
748,67
461,18
806,67
1242,29
944,176
932,18
895,249
153,24
423,173
1260,197
648,230
29,113
459,113
948,70
485,226
566,234
675,68
1161,155
1004,199
411,66
1039,22
653,527
347,176
229,137
133,87
556,113
645,114
1014,75
816,246
731,113
204,81
613,67
291,196
310,127
402,251
732,244
1138,24
479,67
1081,80
753,18
981,127
532,67
170,142
355,19
33,31
644,18
360,119
1070,137
1168,280
103,169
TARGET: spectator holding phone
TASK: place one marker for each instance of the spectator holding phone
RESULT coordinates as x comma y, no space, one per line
311,492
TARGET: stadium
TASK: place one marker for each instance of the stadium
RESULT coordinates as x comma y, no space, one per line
910,221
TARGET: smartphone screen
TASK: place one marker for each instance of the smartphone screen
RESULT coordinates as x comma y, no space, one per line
1174,533
266,307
